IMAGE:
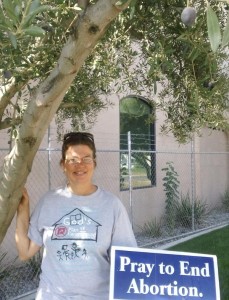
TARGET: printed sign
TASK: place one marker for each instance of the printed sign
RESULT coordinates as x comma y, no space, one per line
138,273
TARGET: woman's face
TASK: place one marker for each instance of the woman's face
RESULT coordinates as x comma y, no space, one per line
79,164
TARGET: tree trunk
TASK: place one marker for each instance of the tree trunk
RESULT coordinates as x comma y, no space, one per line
43,104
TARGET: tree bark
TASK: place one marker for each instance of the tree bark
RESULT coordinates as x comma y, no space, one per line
44,102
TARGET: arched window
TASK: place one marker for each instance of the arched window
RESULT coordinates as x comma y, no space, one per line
137,138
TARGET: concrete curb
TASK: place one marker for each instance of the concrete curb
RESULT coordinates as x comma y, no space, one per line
27,296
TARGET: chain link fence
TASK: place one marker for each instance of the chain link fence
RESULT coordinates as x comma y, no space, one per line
167,195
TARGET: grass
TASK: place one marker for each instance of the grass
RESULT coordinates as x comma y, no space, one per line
216,243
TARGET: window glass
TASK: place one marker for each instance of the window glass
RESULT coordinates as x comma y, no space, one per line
134,119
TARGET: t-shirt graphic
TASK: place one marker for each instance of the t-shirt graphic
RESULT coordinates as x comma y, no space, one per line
75,225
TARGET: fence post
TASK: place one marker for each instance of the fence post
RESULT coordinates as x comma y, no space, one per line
130,177
49,160
193,180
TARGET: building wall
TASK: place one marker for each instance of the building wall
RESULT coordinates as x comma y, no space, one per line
212,165
208,168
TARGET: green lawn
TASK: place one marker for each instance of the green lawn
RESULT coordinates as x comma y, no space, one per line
217,243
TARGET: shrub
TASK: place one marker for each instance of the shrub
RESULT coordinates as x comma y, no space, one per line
171,184
225,200
185,211
152,228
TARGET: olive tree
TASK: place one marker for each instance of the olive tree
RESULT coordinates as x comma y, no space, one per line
23,27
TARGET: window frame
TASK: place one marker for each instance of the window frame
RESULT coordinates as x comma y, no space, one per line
152,144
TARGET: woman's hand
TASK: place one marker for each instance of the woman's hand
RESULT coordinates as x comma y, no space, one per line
24,203
26,248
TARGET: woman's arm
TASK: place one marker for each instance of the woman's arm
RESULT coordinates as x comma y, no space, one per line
26,248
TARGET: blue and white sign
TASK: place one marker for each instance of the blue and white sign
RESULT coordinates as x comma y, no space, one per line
138,273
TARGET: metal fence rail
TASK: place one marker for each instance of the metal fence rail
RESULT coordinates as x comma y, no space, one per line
139,179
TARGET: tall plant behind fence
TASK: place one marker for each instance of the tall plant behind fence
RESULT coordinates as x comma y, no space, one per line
166,194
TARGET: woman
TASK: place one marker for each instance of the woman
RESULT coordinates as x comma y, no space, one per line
76,225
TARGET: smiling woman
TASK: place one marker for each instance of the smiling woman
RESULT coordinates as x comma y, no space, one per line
77,225
79,166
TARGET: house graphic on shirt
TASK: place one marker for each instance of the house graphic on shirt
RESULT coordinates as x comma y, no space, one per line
75,225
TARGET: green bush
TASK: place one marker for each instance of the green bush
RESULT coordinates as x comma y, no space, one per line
225,200
185,210
152,228
171,185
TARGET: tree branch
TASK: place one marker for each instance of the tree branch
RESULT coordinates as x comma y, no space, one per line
9,122
6,98
87,101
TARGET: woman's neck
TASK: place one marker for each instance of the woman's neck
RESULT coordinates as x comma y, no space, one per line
82,190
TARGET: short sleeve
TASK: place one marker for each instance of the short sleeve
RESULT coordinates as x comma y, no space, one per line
123,234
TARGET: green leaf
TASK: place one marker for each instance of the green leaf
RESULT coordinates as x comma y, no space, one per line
8,5
17,10
132,8
13,39
34,31
214,33
34,5
225,38
155,87
2,16
10,10
31,16
121,2
6,22
194,54
18,6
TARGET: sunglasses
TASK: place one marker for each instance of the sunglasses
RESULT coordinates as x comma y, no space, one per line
79,135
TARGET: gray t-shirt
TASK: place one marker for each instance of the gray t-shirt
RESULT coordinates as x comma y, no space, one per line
77,233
